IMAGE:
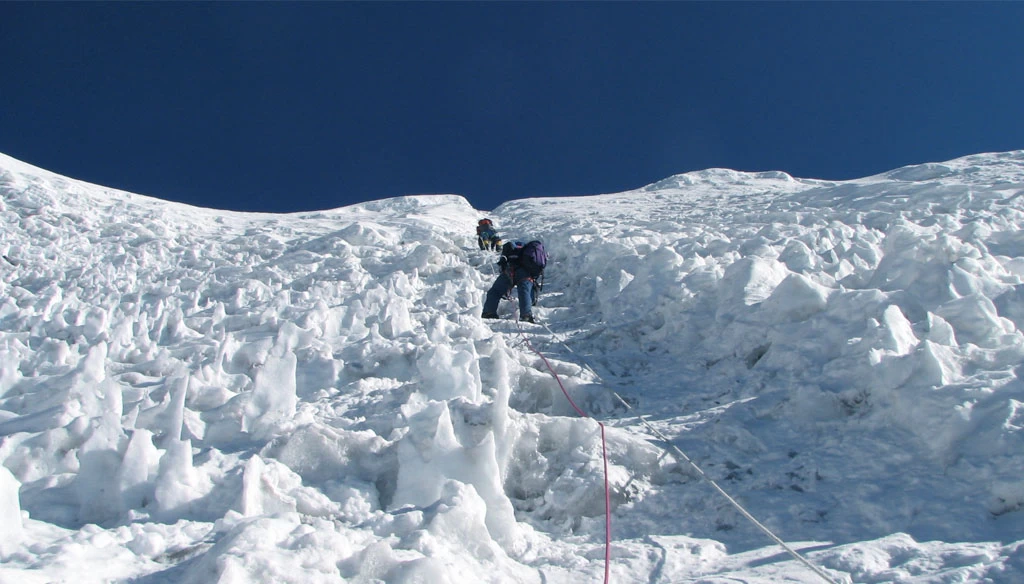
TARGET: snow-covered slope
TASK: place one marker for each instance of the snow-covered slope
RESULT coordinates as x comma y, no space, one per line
192,395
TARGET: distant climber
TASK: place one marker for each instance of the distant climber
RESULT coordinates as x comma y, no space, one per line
486,236
521,267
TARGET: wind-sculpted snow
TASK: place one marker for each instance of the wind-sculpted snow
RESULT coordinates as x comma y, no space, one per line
192,395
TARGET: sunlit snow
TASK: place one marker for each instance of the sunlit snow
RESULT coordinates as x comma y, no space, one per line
195,395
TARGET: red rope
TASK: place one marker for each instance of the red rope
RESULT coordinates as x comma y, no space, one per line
604,454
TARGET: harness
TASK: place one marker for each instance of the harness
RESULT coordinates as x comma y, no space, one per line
538,285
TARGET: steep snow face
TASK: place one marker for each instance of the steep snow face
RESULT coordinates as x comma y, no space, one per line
868,314
195,395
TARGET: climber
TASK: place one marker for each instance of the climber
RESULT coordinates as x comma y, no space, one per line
521,266
486,236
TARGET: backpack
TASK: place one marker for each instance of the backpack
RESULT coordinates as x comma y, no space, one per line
484,225
530,256
534,251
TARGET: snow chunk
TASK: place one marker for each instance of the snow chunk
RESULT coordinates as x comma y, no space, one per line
898,335
10,513
796,298
430,455
274,393
975,320
449,373
751,280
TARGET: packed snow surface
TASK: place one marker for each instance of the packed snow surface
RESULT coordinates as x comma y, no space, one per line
193,395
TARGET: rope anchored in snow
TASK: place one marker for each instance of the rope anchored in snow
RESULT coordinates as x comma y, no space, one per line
677,451
604,453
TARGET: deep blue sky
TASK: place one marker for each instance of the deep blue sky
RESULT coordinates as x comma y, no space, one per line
284,107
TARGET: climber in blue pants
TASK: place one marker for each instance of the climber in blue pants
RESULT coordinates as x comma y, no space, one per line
521,264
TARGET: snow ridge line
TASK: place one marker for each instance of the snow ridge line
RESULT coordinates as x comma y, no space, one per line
604,451
667,443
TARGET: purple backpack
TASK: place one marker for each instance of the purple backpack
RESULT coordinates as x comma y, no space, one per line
534,251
